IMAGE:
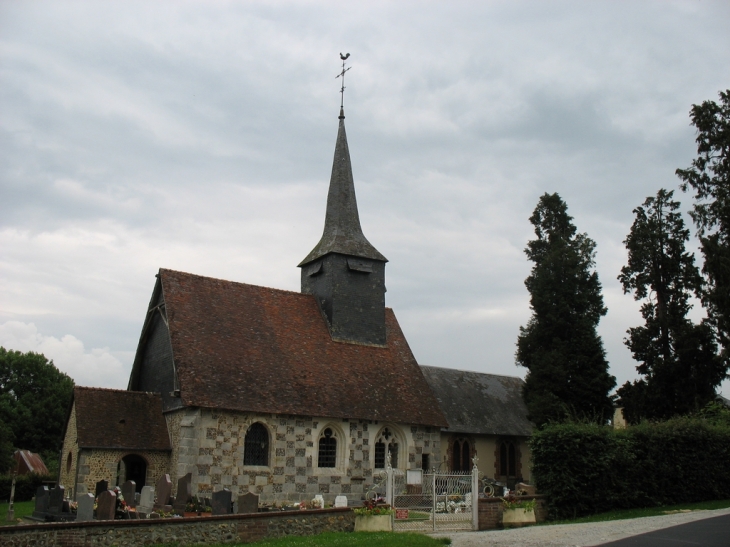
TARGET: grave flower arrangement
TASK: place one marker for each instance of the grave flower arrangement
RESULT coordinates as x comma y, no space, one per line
376,506
511,502
196,505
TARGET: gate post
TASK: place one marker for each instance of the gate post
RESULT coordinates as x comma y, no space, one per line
389,486
475,495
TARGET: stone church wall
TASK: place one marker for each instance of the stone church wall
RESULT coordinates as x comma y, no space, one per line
97,464
69,452
210,445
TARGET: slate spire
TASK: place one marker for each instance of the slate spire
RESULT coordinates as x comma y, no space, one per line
342,232
344,272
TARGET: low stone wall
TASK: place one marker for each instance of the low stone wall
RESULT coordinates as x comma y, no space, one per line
187,531
490,511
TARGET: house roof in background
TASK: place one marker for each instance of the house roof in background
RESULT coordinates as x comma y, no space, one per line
479,403
120,419
250,348
29,462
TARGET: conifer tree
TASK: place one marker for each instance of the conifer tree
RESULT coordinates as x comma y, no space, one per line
709,177
678,359
567,368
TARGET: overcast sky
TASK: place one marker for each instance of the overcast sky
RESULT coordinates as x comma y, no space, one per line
199,136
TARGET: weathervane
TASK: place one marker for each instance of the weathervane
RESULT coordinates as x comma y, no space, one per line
342,74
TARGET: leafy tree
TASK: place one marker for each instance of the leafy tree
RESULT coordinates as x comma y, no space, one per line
568,372
678,359
34,401
709,177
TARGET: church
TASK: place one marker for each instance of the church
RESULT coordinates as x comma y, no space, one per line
289,395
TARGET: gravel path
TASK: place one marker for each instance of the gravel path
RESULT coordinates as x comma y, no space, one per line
575,535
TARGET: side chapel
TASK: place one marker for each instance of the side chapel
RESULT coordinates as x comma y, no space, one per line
286,394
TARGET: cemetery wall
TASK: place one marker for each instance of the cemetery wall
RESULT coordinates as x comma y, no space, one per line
67,475
211,447
101,464
187,531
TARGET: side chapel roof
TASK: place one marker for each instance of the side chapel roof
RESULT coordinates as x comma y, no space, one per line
342,231
479,403
249,348
119,419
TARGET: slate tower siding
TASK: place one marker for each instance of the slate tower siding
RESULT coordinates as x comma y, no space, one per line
351,293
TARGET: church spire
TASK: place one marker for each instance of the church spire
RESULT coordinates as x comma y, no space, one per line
342,231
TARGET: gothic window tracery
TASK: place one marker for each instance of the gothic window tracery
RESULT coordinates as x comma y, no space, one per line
386,442
327,453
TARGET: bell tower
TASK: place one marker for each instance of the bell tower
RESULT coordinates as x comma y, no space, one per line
344,272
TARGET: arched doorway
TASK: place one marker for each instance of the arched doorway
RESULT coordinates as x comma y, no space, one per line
135,469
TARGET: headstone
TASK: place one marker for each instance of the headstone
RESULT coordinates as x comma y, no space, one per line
319,501
128,490
85,508
42,499
136,498
146,499
101,486
81,488
106,506
248,503
184,492
55,504
221,502
163,487
341,501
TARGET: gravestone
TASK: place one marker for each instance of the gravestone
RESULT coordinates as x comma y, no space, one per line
136,499
163,488
55,504
85,508
184,492
320,500
101,486
221,502
42,499
106,506
128,490
146,499
248,503
341,501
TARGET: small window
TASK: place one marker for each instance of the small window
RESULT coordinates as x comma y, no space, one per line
461,455
425,462
507,459
256,445
386,443
69,461
327,456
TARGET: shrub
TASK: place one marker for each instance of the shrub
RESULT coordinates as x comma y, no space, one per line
585,468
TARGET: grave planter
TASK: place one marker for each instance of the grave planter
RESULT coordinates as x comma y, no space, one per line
373,523
512,518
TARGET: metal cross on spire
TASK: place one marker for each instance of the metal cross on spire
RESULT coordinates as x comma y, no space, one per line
342,74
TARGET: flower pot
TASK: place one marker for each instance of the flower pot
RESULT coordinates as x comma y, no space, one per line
373,523
517,517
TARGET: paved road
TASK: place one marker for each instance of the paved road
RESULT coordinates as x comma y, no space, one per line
602,533
712,532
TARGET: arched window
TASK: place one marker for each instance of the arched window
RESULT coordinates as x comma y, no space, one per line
256,445
461,455
327,455
507,459
384,443
69,462
135,469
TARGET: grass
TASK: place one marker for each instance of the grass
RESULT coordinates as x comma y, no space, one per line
22,509
622,514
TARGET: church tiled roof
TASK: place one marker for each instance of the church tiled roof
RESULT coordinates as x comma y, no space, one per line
479,403
250,348
112,418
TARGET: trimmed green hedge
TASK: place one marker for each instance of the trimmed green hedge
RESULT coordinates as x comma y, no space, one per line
25,486
585,469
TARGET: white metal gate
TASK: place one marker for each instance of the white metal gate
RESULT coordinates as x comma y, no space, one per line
433,501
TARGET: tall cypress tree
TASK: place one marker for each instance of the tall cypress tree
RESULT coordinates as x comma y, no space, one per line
709,177
678,359
567,368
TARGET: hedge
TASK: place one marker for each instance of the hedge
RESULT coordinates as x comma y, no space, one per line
25,486
585,469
